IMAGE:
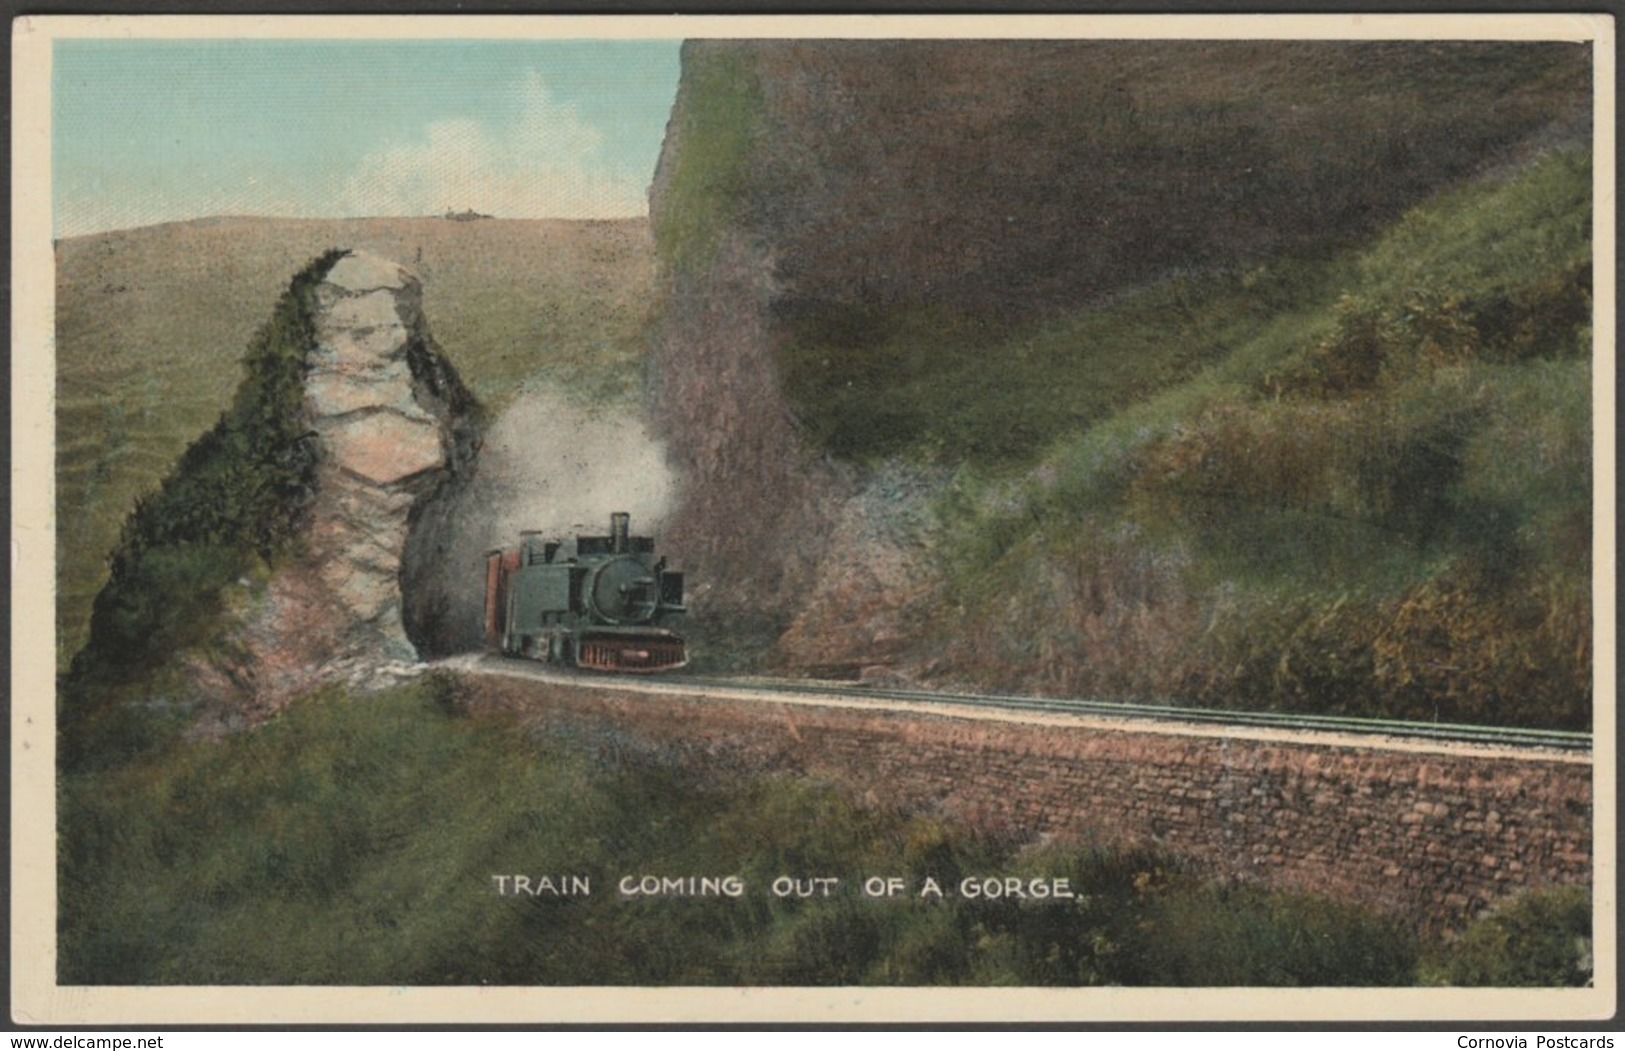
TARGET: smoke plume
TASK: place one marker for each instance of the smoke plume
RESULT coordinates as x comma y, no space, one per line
545,465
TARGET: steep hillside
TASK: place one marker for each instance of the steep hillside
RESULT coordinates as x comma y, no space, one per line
1377,503
897,264
151,325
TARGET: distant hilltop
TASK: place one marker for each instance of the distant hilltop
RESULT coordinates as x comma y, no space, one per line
467,215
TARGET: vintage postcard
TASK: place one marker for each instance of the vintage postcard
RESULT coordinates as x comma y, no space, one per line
1042,519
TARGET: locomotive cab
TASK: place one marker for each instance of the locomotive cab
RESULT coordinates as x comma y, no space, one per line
598,602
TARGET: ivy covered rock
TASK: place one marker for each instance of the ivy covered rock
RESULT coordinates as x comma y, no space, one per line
269,561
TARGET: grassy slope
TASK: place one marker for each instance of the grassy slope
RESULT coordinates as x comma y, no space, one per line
1375,498
1352,476
228,513
354,841
152,325
1249,440
875,381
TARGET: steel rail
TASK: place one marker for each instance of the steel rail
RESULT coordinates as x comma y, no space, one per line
1461,733
1219,718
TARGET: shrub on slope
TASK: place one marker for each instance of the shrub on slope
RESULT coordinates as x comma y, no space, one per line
228,511
1379,503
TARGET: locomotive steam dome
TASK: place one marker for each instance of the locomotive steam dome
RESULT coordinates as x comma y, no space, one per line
622,591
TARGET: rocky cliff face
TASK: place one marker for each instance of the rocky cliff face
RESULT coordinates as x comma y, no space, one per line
759,503
1024,176
396,437
812,193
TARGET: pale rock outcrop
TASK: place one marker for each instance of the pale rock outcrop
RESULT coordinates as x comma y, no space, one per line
397,435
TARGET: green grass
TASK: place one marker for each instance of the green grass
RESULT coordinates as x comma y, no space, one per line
1376,502
962,388
1540,939
709,185
231,508
1246,936
353,840
1483,240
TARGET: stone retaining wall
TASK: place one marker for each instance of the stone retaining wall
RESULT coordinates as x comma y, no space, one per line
1433,834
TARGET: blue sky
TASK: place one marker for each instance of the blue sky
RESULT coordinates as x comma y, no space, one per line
149,131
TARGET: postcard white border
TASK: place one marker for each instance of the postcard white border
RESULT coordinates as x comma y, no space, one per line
37,1000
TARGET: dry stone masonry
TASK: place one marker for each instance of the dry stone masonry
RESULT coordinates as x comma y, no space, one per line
1436,834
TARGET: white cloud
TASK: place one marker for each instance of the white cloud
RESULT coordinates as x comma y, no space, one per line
547,162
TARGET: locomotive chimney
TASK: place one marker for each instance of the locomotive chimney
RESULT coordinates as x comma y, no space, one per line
619,530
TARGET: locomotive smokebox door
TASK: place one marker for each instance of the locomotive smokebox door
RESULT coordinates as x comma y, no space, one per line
623,592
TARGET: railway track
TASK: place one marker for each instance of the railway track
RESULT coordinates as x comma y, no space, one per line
1214,719
1453,733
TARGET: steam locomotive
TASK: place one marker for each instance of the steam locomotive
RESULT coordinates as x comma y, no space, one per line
597,602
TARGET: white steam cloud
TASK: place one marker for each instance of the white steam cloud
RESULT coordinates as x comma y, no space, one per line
549,465
546,162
